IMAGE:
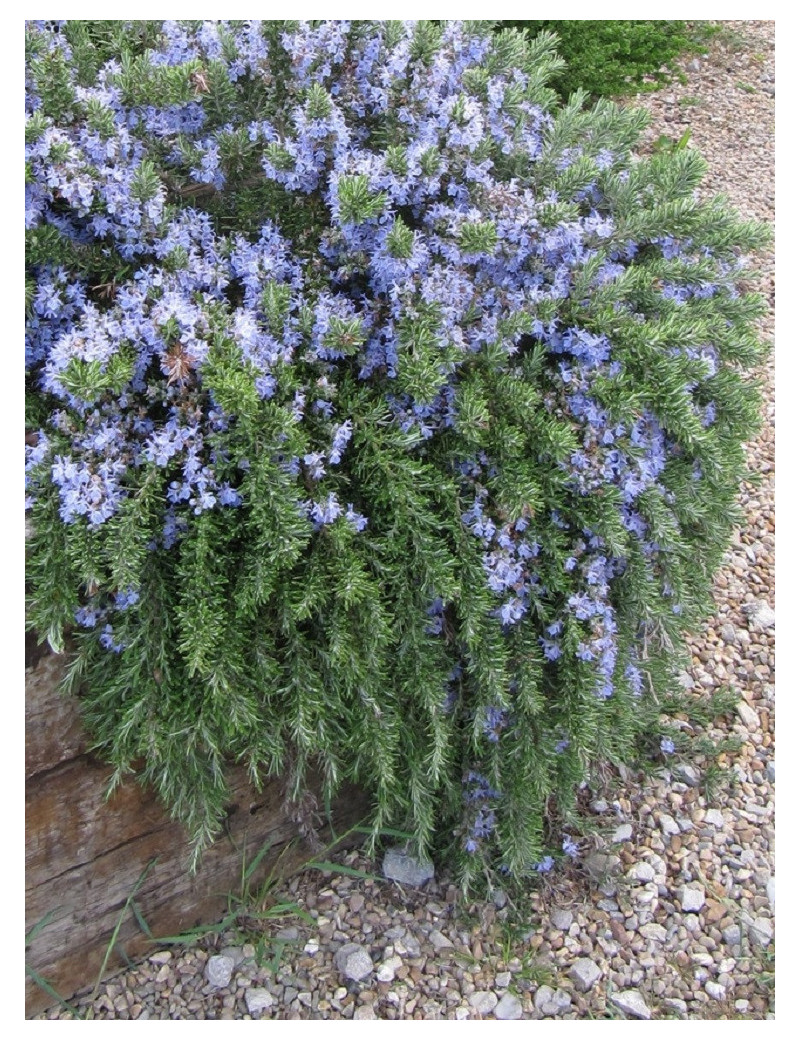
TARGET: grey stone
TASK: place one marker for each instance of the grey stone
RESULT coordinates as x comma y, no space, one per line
770,771
353,961
741,1005
694,65
653,930
365,1011
440,940
732,935
219,970
770,887
715,990
290,934
760,613
551,1002
584,973
747,715
728,633
622,833
676,1004
642,872
601,865
692,898
715,818
499,898
508,1007
631,1002
400,865
599,805
688,774
483,1002
502,979
388,970
561,919
668,824
760,931
258,1000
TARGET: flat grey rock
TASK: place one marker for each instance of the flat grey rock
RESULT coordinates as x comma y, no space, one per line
561,919
692,898
258,1000
631,1002
669,824
400,865
715,990
508,1008
440,940
219,970
353,961
654,931
623,833
642,872
770,887
366,1011
748,716
732,935
483,1002
760,930
715,818
584,973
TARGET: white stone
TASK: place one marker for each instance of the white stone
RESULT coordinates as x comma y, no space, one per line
503,979
668,824
630,1001
715,990
483,1002
219,970
741,1005
584,973
747,715
544,995
440,940
715,818
365,1011
760,931
400,865
258,1000
676,1004
642,872
353,961
655,932
311,947
771,892
692,898
622,833
508,1008
388,970
561,919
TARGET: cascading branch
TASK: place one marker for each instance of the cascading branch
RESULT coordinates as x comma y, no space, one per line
389,414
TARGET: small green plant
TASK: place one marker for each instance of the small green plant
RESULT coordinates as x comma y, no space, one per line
614,58
748,88
669,145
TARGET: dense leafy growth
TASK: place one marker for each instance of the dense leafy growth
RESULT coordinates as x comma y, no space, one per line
389,415
613,58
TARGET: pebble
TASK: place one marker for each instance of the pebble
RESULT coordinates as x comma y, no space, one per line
631,1002
508,1007
400,865
483,1002
561,919
623,833
258,1000
354,962
692,898
219,970
584,973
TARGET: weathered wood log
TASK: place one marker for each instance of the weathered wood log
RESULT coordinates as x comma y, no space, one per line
85,856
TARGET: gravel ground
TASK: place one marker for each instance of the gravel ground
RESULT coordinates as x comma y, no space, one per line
673,918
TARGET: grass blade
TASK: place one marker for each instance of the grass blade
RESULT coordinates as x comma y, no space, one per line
43,984
115,933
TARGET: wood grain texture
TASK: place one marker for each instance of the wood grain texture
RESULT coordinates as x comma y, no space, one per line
85,855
